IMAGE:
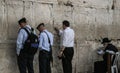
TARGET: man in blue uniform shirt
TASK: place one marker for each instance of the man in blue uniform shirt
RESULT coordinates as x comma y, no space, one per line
45,43
25,61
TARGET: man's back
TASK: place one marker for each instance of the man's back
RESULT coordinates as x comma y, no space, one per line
110,47
44,41
68,37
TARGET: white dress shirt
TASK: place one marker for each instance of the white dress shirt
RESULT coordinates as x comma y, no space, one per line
67,36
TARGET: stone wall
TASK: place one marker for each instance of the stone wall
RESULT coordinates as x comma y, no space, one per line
91,20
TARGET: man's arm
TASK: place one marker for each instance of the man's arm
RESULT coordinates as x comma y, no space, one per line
51,38
59,32
64,43
40,41
19,43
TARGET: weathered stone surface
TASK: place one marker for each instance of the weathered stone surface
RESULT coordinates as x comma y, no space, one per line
2,21
117,4
14,13
1,16
81,24
29,13
8,58
43,14
61,13
89,3
47,1
91,20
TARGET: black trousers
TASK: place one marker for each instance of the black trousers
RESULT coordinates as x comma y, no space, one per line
44,62
100,67
25,62
67,60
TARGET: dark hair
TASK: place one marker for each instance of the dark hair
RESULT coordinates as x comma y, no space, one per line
23,20
41,24
66,23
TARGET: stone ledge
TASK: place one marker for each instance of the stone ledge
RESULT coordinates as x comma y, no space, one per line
7,41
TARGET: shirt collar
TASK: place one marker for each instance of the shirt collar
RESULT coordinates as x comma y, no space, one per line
67,28
45,30
28,26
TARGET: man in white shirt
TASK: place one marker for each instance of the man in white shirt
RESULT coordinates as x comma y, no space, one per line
67,51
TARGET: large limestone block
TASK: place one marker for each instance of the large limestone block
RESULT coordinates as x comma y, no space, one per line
14,13
84,53
115,28
3,25
47,1
89,3
60,13
113,31
43,14
20,0
29,13
62,1
8,61
84,20
116,16
117,4
104,17
99,3
1,1
40,1
103,21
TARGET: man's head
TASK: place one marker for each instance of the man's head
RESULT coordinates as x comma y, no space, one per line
41,27
66,24
105,41
22,22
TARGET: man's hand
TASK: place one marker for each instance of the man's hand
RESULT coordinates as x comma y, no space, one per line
51,63
18,53
60,54
56,29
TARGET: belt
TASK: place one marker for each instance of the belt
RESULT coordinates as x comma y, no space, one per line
68,47
44,51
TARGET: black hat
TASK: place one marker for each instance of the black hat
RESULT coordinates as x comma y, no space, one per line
105,40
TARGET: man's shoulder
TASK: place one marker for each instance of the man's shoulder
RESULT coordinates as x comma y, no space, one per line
48,32
28,26
42,33
22,30
69,30
112,47
72,30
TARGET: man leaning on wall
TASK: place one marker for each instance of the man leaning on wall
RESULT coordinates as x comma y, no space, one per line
67,49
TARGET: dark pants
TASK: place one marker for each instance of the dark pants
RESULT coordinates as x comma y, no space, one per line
67,60
44,62
100,67
25,62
